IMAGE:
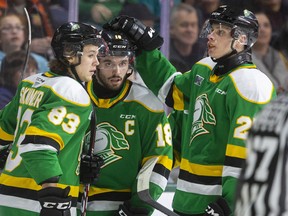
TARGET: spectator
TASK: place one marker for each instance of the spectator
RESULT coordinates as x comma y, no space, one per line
266,58
10,74
281,43
185,47
42,29
12,38
276,11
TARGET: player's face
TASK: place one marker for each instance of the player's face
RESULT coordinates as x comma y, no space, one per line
112,71
219,41
89,61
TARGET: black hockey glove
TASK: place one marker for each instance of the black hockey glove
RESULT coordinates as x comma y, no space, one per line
55,201
218,208
90,168
126,209
144,37
4,152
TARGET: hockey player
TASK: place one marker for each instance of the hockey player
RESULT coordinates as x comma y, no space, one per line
131,128
47,121
263,181
223,91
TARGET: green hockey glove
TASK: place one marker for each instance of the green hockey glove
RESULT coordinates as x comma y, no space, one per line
144,37
55,201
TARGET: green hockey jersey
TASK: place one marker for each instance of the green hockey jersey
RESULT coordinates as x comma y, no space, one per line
46,121
218,115
131,128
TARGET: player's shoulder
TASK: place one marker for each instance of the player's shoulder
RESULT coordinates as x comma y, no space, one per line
62,86
145,97
206,62
252,84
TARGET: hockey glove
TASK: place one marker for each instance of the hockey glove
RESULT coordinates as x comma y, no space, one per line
144,37
90,168
4,152
55,201
218,208
126,209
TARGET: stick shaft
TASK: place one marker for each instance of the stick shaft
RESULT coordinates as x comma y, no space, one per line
84,200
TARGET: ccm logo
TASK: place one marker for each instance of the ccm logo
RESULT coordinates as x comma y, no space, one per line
122,213
60,206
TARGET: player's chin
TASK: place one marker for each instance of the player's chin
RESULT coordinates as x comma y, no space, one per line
115,86
88,78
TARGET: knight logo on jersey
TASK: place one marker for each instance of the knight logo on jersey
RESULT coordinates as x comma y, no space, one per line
202,115
108,139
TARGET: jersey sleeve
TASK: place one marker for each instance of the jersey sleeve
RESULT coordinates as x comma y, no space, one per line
156,142
8,121
242,106
171,87
52,130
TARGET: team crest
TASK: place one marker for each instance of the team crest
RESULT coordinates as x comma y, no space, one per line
202,115
108,140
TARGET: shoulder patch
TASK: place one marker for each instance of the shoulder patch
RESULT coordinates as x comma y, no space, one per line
252,85
145,97
64,87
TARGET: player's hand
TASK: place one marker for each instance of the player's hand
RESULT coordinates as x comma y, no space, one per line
90,168
144,37
218,208
55,201
126,209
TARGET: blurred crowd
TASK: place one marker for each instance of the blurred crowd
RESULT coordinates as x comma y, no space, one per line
270,52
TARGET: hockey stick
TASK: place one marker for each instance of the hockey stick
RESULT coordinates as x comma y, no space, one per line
143,187
28,44
84,200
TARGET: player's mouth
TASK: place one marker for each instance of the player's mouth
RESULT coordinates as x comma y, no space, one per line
115,79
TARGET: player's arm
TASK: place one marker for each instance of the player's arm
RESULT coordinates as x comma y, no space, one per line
8,122
155,69
157,142
46,136
242,113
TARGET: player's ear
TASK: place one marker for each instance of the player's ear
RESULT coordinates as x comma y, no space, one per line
71,59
